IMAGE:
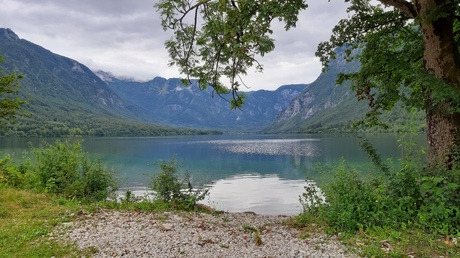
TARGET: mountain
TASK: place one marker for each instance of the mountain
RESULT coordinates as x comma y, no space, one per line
169,102
66,97
325,106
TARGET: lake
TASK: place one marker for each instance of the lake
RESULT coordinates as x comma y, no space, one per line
260,173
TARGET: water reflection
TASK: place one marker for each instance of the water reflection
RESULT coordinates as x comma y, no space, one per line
268,194
296,147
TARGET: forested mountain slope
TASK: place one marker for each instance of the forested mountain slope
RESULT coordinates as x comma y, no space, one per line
65,97
325,106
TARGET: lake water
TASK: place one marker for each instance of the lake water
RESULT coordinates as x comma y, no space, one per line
260,173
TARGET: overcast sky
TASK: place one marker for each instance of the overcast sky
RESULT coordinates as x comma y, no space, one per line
125,37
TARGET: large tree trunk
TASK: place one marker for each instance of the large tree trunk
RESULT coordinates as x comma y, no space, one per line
441,58
443,139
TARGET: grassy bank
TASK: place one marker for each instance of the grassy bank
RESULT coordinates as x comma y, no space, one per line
26,221
384,241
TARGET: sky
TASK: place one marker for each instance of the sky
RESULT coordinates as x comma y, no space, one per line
125,37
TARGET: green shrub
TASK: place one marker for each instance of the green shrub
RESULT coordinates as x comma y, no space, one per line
350,202
408,196
12,175
440,208
170,188
167,184
65,169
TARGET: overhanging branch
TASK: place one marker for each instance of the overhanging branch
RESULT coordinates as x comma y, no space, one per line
406,7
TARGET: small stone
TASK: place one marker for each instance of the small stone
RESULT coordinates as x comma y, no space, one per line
67,224
167,227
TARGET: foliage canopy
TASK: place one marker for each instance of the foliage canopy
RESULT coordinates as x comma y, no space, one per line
223,38
9,105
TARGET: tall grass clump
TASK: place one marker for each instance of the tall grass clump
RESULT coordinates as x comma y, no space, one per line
178,191
65,169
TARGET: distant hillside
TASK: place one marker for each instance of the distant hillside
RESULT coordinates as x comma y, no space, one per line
66,97
326,107
169,102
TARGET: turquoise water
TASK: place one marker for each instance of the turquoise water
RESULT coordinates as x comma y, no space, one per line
260,173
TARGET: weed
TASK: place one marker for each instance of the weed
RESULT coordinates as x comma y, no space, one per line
249,228
130,197
257,238
256,233
312,199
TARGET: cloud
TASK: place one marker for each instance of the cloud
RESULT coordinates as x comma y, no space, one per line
125,37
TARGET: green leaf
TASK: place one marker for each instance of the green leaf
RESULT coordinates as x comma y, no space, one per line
452,185
437,180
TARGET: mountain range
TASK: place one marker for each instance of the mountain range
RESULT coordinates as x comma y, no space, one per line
169,102
67,98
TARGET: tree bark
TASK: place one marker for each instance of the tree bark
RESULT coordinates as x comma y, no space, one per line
441,59
443,139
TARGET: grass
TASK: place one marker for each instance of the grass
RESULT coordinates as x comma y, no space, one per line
26,221
383,241
387,242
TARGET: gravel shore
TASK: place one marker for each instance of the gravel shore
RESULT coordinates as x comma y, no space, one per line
188,234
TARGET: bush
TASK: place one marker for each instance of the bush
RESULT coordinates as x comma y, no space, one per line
10,174
170,188
64,169
408,196
350,202
440,207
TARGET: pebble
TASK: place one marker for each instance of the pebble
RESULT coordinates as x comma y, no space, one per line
188,234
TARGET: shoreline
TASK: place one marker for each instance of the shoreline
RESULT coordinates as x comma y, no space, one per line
111,233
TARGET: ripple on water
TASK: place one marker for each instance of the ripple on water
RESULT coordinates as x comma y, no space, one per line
297,147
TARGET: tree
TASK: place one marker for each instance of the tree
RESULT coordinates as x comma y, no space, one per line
9,105
409,51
